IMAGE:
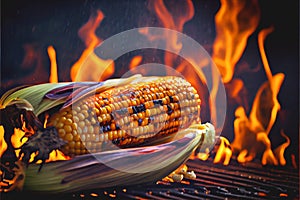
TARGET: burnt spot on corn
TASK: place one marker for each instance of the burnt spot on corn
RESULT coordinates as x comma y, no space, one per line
128,115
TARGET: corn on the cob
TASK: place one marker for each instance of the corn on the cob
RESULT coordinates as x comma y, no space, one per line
128,115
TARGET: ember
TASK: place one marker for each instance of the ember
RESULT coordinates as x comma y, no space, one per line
253,46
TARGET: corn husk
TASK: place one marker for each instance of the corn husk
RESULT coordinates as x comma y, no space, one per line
42,97
121,167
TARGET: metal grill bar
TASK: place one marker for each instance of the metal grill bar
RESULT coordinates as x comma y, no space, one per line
236,181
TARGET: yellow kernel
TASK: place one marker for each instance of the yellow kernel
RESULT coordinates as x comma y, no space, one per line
79,130
96,110
85,113
100,119
110,135
61,132
93,137
78,109
141,115
71,144
120,135
115,134
60,125
104,118
69,137
103,110
93,121
148,113
81,116
76,137
88,144
77,145
68,128
90,129
77,152
108,117
84,107
75,119
108,108
81,124
68,121
74,126
88,137
63,119
112,107
87,122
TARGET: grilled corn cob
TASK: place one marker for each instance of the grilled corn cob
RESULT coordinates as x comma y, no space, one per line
127,115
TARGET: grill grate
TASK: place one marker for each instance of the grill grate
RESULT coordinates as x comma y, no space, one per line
251,181
214,181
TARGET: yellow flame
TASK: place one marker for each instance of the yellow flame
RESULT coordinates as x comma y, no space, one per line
3,145
53,65
135,61
224,152
279,151
89,67
235,22
251,134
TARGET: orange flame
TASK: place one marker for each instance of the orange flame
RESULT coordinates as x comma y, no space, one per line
279,151
171,21
135,62
251,134
224,152
53,65
89,66
3,145
235,22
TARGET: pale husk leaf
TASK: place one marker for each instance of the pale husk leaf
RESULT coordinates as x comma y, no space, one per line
131,166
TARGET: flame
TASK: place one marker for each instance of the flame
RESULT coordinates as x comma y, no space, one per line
224,152
279,151
88,66
251,134
172,21
53,65
235,22
135,62
3,145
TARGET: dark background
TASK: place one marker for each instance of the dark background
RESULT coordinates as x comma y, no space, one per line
43,23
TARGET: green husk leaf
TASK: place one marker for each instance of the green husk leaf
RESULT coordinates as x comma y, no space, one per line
33,94
122,167
33,97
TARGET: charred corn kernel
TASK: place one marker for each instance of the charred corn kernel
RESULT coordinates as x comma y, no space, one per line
128,115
